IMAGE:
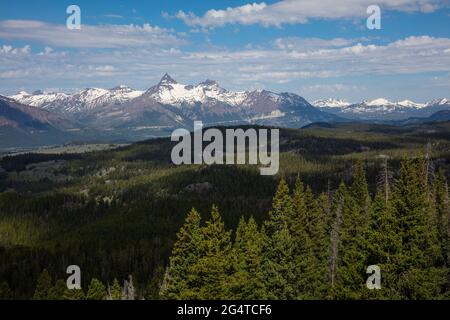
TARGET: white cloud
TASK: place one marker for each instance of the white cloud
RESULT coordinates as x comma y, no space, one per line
15,51
333,88
284,66
101,36
300,11
306,44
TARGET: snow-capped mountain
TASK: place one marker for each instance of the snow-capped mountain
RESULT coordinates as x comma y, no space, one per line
170,104
330,103
411,104
382,109
135,114
438,102
38,98
209,102
78,102
170,92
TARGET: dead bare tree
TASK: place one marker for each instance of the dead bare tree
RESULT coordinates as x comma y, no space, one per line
384,180
128,292
334,250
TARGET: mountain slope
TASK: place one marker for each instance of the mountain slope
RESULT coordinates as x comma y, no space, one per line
26,126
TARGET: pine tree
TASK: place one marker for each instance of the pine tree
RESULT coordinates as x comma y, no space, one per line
73,294
318,231
43,285
5,291
208,277
153,288
384,244
280,247
57,291
443,218
420,277
96,291
185,253
337,209
282,209
279,265
309,235
246,282
115,292
352,259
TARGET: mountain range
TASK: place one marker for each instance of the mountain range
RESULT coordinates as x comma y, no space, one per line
381,109
122,113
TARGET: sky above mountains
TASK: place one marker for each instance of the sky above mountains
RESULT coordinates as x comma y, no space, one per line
317,49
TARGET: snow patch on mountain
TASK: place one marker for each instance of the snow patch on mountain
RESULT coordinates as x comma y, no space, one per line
331,103
410,104
170,92
438,102
38,98
81,101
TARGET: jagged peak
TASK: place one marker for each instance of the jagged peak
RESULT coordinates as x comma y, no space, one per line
167,79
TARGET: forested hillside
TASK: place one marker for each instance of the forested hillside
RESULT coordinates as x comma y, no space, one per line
359,195
319,247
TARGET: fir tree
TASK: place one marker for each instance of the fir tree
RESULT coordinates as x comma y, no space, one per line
115,291
57,291
279,265
73,294
96,291
352,260
337,209
318,232
246,282
185,253
209,275
443,218
282,208
420,277
384,244
280,247
5,291
43,285
308,232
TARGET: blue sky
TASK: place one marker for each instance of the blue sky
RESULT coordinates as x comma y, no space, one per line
318,49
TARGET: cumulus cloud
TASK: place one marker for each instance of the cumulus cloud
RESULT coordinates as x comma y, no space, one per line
333,88
324,60
300,11
25,50
90,36
306,44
